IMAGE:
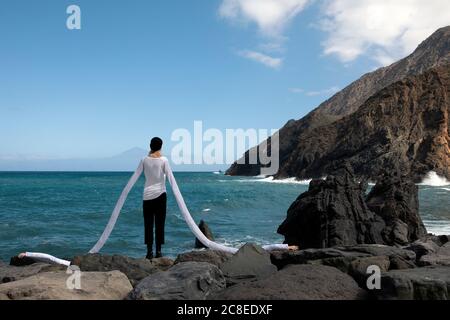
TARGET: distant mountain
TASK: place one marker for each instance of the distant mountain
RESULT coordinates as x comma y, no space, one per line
125,161
300,140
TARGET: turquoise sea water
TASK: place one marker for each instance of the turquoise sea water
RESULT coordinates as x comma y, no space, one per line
64,213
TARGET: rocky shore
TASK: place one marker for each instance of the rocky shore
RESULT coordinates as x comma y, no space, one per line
420,270
345,235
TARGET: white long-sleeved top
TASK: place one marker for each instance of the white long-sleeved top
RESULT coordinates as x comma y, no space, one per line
155,171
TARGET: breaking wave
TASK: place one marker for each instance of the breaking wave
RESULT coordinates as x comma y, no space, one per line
434,180
279,181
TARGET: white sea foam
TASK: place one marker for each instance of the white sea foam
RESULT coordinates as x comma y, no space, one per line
432,179
206,210
217,172
447,189
287,180
279,181
437,227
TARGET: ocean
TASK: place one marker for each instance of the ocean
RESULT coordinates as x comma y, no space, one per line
64,213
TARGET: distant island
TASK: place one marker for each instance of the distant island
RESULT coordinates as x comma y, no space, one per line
125,161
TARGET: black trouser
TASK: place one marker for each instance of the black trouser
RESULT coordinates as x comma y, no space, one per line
155,214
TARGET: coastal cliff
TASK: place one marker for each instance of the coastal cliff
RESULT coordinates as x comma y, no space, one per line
403,110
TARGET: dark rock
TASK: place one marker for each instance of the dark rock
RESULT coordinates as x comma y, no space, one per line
381,250
297,282
20,262
251,262
358,268
399,263
14,273
134,269
434,259
395,199
440,257
331,213
439,240
341,257
340,263
334,212
423,248
401,258
162,263
211,256
184,281
283,258
427,283
204,228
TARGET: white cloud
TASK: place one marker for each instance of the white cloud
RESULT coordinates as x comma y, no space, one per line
266,60
386,30
271,16
323,92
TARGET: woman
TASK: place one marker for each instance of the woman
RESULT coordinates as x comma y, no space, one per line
156,168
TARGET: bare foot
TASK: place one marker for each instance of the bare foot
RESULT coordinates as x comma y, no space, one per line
293,248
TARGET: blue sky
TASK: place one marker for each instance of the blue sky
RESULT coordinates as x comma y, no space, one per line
137,69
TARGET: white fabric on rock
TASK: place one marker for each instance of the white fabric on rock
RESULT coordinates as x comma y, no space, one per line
43,257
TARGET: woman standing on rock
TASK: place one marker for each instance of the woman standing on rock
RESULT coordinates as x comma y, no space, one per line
156,168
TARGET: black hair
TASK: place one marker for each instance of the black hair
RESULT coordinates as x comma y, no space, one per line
156,144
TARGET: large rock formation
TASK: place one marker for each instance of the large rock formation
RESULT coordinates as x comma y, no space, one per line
335,212
332,212
395,116
112,285
395,199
